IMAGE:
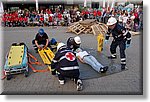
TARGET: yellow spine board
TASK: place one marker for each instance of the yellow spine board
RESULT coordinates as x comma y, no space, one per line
15,55
44,57
100,39
47,55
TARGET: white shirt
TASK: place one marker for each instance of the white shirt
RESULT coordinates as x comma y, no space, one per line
46,16
78,13
120,18
82,54
132,17
125,18
51,15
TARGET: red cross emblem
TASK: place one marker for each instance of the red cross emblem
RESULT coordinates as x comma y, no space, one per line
70,56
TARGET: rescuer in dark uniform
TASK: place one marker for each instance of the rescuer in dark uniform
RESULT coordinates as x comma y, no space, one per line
73,43
66,65
121,38
41,39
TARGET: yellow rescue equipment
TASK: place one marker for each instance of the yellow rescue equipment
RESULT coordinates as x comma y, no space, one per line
100,40
47,55
18,57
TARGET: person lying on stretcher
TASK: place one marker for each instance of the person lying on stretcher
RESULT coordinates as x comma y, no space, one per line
84,57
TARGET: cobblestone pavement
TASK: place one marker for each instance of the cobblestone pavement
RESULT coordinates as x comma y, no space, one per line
126,82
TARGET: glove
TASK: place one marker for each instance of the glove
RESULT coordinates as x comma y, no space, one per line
127,45
106,42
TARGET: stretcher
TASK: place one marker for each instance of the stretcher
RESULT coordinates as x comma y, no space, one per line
47,56
16,60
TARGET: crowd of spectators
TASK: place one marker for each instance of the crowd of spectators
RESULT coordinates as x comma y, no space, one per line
132,20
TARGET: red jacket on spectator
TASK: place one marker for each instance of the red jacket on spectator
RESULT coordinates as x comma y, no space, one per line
50,18
16,19
99,13
27,14
48,12
83,12
86,12
20,19
25,19
59,16
136,15
94,13
4,19
15,14
5,15
8,19
41,18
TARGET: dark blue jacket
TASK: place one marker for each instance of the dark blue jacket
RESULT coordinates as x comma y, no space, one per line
64,58
119,33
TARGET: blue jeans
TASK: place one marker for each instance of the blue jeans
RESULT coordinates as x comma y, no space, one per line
92,62
140,25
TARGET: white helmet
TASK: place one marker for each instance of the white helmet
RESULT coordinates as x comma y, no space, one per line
60,45
77,40
111,21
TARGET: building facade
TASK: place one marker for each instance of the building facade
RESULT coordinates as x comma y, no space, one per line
42,4
62,4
